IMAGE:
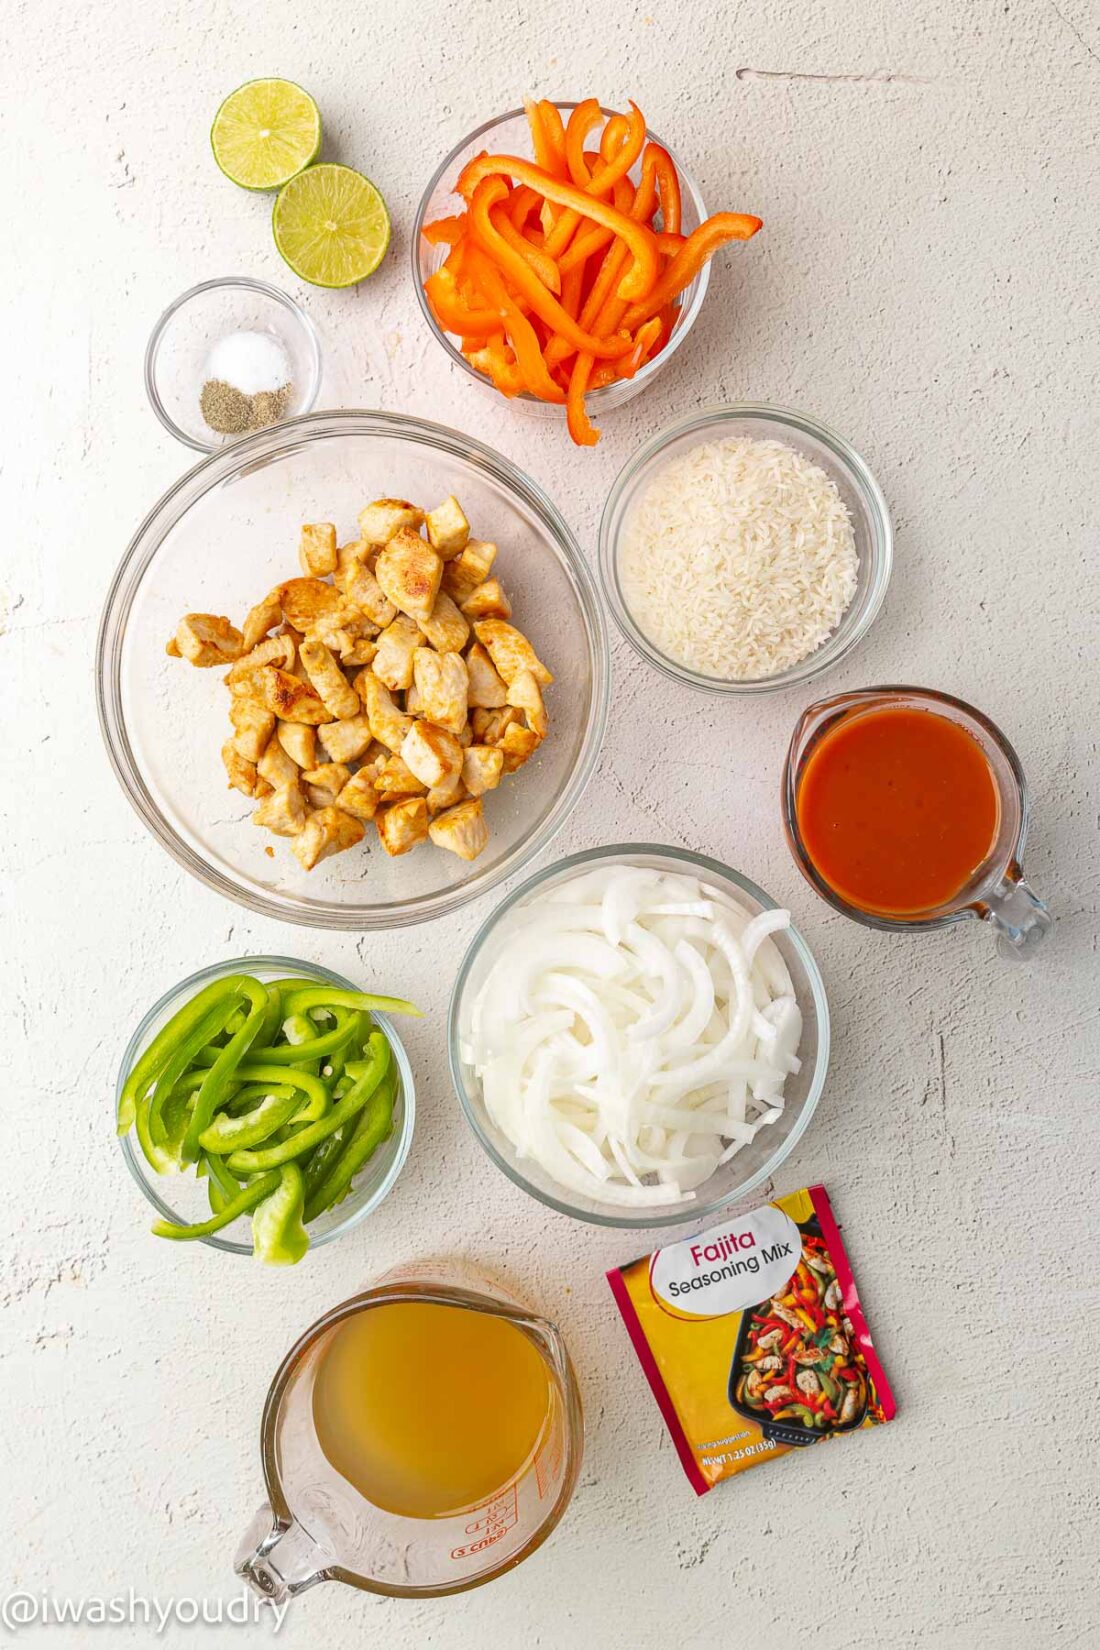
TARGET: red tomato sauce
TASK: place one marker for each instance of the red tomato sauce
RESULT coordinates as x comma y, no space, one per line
897,808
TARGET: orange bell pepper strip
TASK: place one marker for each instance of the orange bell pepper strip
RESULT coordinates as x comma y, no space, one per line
602,287
591,240
544,267
584,118
555,136
614,134
700,245
667,244
545,152
452,312
648,334
668,189
523,203
522,278
640,278
576,416
445,231
521,334
493,362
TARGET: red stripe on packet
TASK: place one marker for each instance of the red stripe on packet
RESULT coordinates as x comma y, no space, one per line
849,1295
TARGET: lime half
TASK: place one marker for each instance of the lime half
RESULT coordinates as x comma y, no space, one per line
265,133
331,225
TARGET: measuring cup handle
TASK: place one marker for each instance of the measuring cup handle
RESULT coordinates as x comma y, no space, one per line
1019,917
277,1560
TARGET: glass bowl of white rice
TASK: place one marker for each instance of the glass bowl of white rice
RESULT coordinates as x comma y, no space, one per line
745,550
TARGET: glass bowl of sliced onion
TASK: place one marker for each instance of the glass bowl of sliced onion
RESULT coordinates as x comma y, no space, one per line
638,1036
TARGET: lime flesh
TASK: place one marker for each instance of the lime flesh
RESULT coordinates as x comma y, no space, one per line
331,225
265,133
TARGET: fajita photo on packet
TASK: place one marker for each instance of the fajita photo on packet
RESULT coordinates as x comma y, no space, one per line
752,1337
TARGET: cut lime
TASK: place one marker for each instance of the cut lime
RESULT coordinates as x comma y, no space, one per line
265,133
331,225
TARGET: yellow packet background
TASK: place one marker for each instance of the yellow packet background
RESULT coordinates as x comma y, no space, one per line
711,1316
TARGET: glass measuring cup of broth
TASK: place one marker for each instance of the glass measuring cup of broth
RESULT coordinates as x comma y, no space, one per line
907,809
420,1439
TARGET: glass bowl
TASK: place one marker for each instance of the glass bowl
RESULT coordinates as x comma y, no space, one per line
177,353
874,535
189,1200
510,135
217,541
749,1168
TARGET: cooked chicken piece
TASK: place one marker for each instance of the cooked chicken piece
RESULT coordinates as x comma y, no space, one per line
833,1296
469,569
446,794
518,744
253,726
242,773
817,1263
387,724
510,651
526,695
263,789
462,830
324,784
755,1382
295,668
807,1381
328,679
361,588
768,1365
359,796
409,572
809,1355
347,739
360,650
317,549
849,1407
482,767
785,1315
487,689
446,629
261,618
172,648
489,726
402,825
780,1395
276,650
275,765
309,602
329,831
487,601
291,700
431,753
840,1345
396,778
447,528
412,700
773,1338
299,742
208,639
465,736
393,663
284,811
386,516
442,684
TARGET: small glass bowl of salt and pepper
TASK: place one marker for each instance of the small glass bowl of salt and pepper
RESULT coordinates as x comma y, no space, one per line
230,357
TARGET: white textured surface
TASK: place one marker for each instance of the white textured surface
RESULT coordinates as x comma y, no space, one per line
926,283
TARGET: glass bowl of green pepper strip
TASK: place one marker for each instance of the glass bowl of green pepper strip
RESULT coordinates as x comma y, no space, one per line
265,1106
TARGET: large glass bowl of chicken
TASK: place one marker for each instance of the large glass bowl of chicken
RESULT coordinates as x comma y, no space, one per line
505,707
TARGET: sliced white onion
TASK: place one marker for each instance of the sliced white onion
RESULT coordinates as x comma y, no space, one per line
634,1032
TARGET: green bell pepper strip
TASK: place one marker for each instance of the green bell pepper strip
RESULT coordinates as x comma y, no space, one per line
149,1065
304,1140
313,1047
229,1134
828,1385
329,996
273,1019
278,1235
213,1090
222,1185
320,1160
181,1058
298,1029
247,1198
318,1096
375,1125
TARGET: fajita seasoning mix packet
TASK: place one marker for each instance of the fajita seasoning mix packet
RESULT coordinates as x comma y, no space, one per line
753,1339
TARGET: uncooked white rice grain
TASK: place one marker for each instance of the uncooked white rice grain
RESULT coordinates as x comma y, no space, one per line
739,559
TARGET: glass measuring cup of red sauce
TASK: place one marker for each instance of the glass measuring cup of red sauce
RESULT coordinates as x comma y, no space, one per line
907,809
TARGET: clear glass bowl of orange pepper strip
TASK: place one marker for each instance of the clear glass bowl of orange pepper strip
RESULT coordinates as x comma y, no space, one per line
566,279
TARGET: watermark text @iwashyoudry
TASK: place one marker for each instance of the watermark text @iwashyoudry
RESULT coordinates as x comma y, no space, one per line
20,1611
